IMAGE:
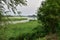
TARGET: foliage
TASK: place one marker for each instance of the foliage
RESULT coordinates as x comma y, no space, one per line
11,4
49,15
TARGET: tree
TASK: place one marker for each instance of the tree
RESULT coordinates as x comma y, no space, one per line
49,15
11,4
19,13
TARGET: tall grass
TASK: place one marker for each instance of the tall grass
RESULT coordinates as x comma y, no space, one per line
13,30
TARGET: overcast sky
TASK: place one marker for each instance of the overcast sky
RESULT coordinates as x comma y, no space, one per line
30,9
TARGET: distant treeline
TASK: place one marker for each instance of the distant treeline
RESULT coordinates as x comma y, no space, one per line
19,16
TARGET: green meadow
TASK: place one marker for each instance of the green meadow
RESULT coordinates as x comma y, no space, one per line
19,29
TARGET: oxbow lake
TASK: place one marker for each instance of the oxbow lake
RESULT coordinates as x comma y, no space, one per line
22,21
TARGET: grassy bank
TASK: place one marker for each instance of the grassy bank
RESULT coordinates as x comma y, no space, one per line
20,29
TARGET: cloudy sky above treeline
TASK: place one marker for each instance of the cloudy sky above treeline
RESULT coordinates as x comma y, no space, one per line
30,9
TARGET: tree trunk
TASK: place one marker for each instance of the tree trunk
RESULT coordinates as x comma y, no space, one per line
51,36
